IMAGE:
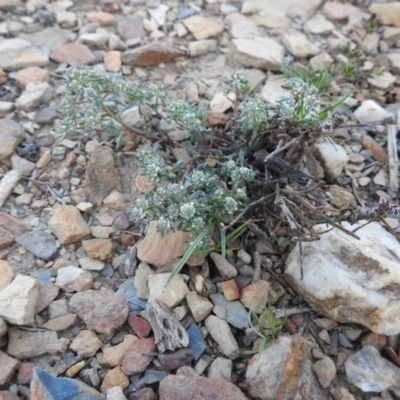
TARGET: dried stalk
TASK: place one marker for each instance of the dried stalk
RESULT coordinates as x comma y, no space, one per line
393,160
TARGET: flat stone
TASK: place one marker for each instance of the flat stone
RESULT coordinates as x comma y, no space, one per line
6,107
25,373
115,200
91,264
112,61
60,323
325,370
171,294
382,81
318,25
221,368
322,61
39,243
199,306
74,54
100,249
370,111
202,27
255,296
355,283
48,291
151,54
298,45
201,47
230,290
388,14
95,39
141,280
131,28
31,75
173,360
139,356
116,393
333,158
113,356
101,175
196,341
139,325
24,166
86,344
102,310
25,344
7,367
127,290
101,232
221,102
73,279
337,11
226,269
101,17
18,300
260,52
45,386
6,274
378,153
68,225
8,5
283,370
143,394
179,387
18,53
222,334
51,37
114,377
6,238
11,134
236,314
241,27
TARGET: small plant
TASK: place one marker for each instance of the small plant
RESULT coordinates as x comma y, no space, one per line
270,333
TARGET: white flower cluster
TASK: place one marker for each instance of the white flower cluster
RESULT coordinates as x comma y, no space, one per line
189,116
238,84
152,165
253,115
237,172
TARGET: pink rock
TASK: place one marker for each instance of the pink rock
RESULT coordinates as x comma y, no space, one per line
7,367
179,387
6,238
60,323
374,339
143,394
74,54
139,356
199,306
203,28
12,224
176,359
26,167
31,75
337,11
112,61
100,249
114,377
102,18
139,325
86,344
113,356
6,274
255,296
230,290
25,373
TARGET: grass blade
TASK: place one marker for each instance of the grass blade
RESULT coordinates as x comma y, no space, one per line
223,241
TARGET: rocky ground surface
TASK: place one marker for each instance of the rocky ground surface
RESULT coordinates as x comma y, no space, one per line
75,279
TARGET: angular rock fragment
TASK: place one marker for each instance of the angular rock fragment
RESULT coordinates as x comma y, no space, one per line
39,243
11,134
151,54
74,54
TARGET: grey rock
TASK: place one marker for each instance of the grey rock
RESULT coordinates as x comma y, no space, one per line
39,243
236,314
58,308
222,334
141,280
221,368
11,134
51,37
34,95
26,344
226,269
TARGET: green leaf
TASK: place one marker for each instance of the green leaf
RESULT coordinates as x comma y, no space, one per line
237,230
190,251
223,241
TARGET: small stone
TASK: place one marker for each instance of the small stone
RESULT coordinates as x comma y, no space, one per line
322,61
113,356
6,238
68,225
58,308
333,158
381,178
115,393
143,394
378,153
31,75
74,54
298,45
73,279
7,367
151,54
114,377
171,294
6,107
221,368
44,160
18,300
115,200
230,290
48,291
388,13
86,344
25,344
139,356
370,111
18,53
255,296
45,386
201,47
336,11
75,369
60,323
91,264
127,290
221,102
222,334
101,175
176,359
23,165
180,387
25,373
196,341
199,306
102,310
127,239
6,274
382,81
39,243
226,269
203,28
394,59
318,25
100,249
66,18
112,61
95,39
325,370
374,339
101,232
260,52
11,134
236,314
102,18
139,325
35,94
241,27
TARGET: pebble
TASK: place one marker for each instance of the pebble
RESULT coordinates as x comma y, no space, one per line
196,341
99,249
298,45
18,300
48,291
226,269
7,367
86,343
35,94
139,325
236,314
127,290
199,306
6,274
201,47
60,323
333,158
255,296
44,386
114,377
221,368
141,280
203,28
369,111
91,264
374,339
325,370
40,243
230,290
318,25
73,279
115,393
241,27
222,334
143,394
171,294
11,134
68,225
24,344
139,356
31,75
388,14
113,356
74,54
173,360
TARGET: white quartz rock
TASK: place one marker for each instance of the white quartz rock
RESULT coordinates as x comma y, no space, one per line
333,158
350,280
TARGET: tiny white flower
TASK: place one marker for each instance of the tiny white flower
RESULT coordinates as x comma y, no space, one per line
187,210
